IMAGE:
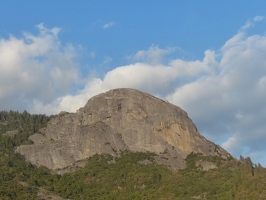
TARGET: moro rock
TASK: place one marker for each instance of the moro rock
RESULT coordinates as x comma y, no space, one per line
115,121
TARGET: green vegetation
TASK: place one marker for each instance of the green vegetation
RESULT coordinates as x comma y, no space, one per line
19,126
105,177
16,175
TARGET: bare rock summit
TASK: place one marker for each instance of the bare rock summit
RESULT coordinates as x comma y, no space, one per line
118,120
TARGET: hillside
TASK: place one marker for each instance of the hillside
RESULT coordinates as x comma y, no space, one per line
123,173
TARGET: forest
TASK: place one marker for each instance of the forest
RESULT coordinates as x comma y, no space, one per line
124,177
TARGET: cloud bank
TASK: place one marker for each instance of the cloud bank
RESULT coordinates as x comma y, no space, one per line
223,93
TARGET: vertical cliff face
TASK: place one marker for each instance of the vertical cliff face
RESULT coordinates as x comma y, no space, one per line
120,119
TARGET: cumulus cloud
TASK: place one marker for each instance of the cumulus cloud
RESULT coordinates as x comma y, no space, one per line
229,105
35,67
157,79
70,103
154,55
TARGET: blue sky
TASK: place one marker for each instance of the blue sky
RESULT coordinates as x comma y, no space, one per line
207,57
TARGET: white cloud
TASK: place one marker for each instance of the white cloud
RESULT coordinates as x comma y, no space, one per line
70,103
258,18
157,79
35,67
108,25
251,23
154,55
229,104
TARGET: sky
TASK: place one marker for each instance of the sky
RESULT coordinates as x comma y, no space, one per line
207,57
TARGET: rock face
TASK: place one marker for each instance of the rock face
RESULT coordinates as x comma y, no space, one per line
120,119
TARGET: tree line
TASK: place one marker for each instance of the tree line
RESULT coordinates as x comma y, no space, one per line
124,177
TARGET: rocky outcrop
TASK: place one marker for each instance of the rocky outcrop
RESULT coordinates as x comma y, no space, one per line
118,120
